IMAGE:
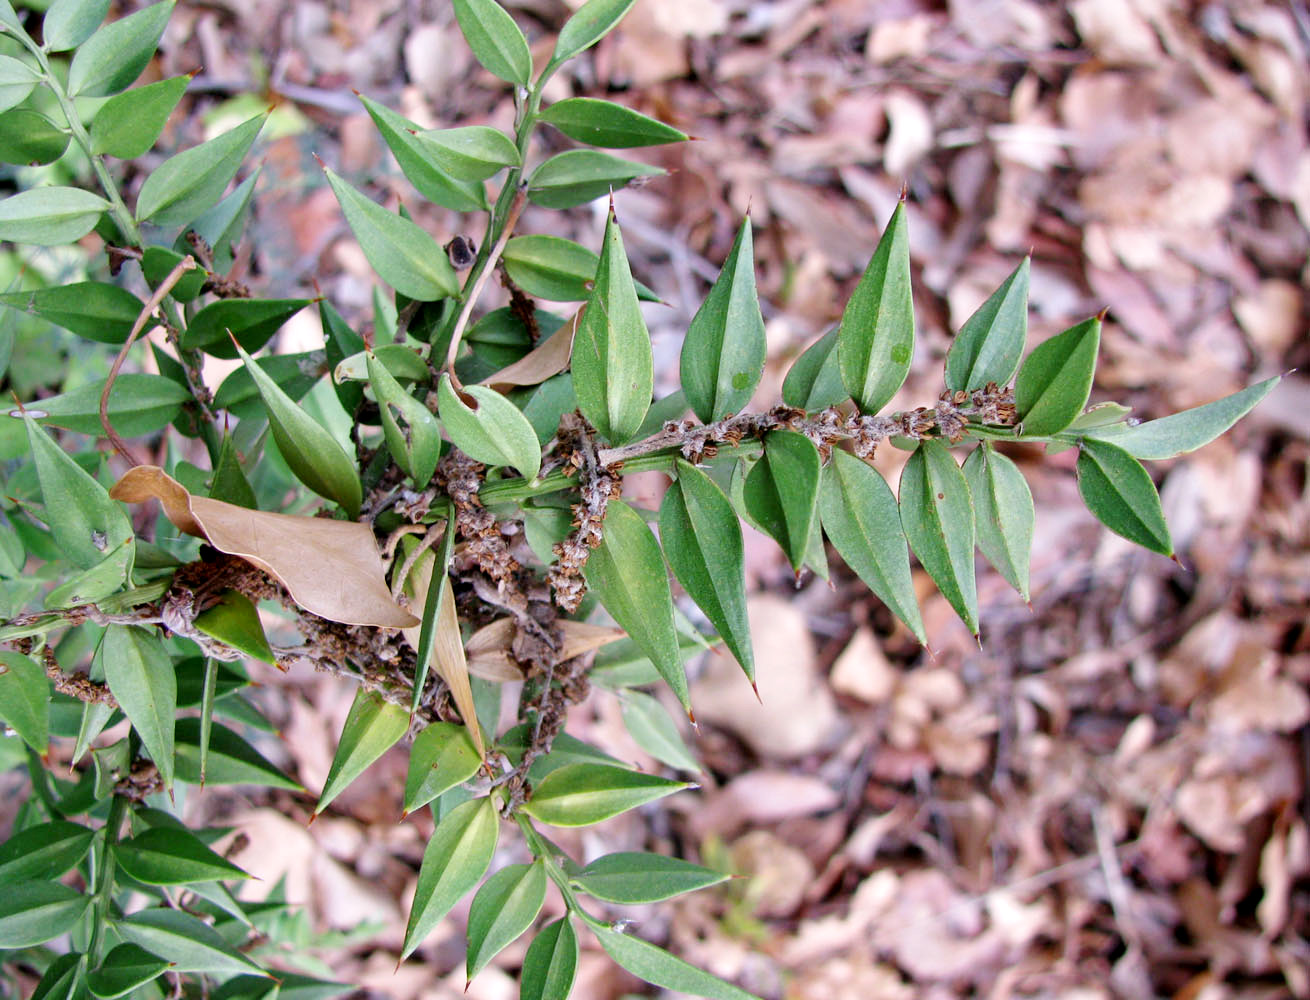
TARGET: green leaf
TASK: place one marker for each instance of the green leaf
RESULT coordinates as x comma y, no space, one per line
231,760
25,700
503,909
50,216
401,137
115,55
492,430
723,353
1056,379
234,621
33,912
613,370
288,986
309,449
654,731
43,852
401,361
64,977
417,445
582,794
123,970
455,859
550,267
252,321
1003,513
861,519
190,944
129,124
632,878
91,309
295,374
1118,490
170,856
77,509
29,138
876,338
140,674
782,490
495,39
578,176
588,25
989,345
69,23
814,380
104,578
1182,432
551,963
373,726
937,517
655,965
223,224
604,123
702,541
138,405
403,255
626,572
442,757
192,181
470,153
17,79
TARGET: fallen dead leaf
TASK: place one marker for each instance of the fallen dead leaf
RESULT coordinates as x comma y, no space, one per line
546,359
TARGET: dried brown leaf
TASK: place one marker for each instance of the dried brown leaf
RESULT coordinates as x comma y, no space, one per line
546,359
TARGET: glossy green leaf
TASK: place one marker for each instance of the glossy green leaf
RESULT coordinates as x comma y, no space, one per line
309,449
401,361
123,970
492,430
157,265
702,541
582,794
861,519
252,321
989,345
190,944
104,578
138,404
400,135
551,963
588,25
405,256
234,621
76,508
43,852
655,965
170,856
578,176
17,79
140,674
1056,379
69,23
470,153
550,267
723,353
565,750
64,978
782,490
626,572
604,123
288,986
29,138
1118,490
222,225
417,445
495,39
115,55
192,181
653,729
632,878
613,370
373,727
454,861
876,337
25,700
33,912
1003,514
50,216
443,756
1182,432
503,909
937,518
231,760
91,309
814,380
295,374
129,124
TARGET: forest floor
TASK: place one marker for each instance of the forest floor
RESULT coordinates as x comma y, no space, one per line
1108,798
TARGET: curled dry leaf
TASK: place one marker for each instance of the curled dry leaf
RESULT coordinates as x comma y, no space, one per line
489,647
330,568
548,358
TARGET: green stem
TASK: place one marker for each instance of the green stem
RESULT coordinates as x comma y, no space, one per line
41,782
104,890
543,851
